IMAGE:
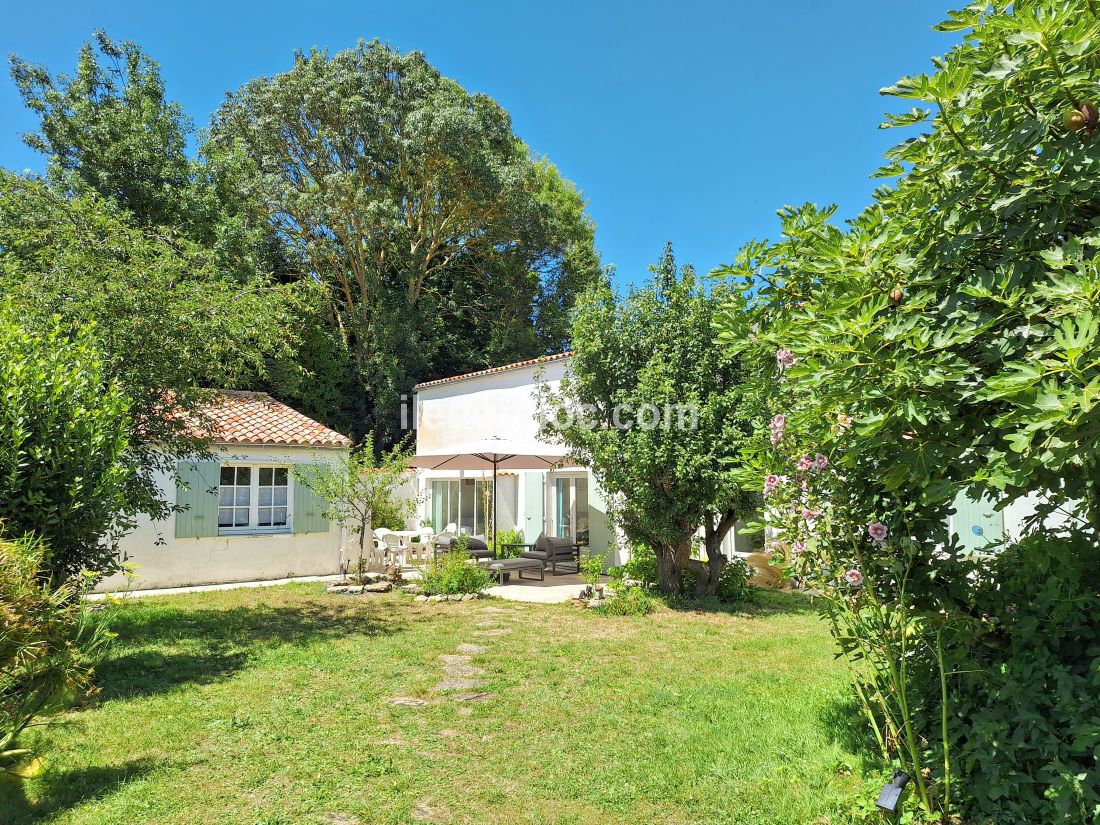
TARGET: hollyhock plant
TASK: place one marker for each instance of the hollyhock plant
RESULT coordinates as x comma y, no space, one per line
805,463
878,532
820,461
808,514
778,428
785,358
853,577
770,483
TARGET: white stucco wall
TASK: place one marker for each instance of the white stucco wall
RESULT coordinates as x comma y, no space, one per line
163,560
498,405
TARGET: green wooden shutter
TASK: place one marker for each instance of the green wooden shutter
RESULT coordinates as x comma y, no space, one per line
308,506
533,506
600,536
976,522
197,494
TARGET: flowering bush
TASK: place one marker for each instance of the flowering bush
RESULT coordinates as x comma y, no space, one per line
948,341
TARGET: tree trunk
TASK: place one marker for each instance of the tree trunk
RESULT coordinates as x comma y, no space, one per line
707,573
669,579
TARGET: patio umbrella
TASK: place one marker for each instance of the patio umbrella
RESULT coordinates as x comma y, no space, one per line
491,454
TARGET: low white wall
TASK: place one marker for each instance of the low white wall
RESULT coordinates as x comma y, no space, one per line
162,560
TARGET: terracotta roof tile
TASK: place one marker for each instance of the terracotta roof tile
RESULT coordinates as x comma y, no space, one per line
542,359
239,417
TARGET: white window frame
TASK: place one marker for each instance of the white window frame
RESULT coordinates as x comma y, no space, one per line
253,528
479,505
551,506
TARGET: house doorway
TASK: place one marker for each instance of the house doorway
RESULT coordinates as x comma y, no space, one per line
569,506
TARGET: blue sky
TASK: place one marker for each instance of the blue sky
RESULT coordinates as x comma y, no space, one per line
688,121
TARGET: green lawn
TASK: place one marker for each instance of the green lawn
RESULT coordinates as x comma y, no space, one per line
270,706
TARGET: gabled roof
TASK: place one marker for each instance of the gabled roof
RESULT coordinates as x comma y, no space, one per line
239,417
542,359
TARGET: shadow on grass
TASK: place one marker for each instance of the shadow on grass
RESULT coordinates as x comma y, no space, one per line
761,603
846,727
57,792
161,647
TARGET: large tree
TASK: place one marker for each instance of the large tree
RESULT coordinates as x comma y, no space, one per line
165,320
440,243
110,128
653,404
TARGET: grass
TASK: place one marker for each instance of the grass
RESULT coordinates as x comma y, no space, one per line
267,706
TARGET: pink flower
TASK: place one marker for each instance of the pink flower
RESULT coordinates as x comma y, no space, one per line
805,463
770,483
808,514
785,358
844,421
820,461
778,428
798,546
853,577
877,531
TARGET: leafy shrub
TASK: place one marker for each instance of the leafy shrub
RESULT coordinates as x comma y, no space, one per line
1026,694
733,584
64,440
591,569
641,567
453,573
630,601
506,537
46,643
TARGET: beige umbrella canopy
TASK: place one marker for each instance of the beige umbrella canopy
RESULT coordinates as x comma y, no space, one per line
492,454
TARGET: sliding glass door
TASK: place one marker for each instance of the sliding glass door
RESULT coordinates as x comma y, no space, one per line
463,502
570,504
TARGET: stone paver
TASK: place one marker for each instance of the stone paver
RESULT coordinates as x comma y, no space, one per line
458,684
475,649
472,697
408,702
500,631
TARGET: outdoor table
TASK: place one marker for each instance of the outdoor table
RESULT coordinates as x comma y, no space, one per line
504,567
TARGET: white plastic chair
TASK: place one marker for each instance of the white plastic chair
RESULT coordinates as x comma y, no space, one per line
395,547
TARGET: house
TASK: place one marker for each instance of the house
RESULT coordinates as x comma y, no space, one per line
502,402
243,514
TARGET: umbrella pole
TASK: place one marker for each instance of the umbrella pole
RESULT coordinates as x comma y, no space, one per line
496,550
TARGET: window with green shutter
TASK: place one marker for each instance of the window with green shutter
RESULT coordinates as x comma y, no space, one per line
197,498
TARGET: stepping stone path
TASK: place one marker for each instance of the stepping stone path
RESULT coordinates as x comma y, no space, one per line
458,665
460,680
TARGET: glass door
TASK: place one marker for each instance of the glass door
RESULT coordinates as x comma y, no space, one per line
570,505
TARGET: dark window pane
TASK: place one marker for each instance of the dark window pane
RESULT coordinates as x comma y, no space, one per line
265,476
244,475
280,476
227,475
